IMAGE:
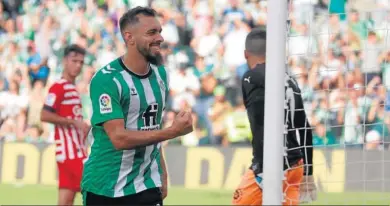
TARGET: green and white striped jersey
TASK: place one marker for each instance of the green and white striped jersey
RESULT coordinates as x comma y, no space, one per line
117,93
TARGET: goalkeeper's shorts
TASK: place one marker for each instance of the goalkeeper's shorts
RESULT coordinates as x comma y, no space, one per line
250,193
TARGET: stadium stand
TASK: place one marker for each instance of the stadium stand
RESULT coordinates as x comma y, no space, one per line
203,48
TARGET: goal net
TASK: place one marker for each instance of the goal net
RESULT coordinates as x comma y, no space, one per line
339,53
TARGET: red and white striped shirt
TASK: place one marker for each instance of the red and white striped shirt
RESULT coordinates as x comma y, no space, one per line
65,101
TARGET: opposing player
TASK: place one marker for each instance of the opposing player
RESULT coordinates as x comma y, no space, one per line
249,192
63,108
126,165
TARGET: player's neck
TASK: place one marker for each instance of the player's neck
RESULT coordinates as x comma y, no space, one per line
136,63
68,78
253,62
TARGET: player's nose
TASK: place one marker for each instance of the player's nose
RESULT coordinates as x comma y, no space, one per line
159,38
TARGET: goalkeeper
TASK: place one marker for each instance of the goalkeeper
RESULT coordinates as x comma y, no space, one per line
249,191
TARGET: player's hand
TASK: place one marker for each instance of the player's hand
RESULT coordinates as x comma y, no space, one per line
164,191
308,190
82,126
182,124
164,187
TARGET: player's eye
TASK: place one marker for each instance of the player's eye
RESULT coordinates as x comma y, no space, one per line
153,31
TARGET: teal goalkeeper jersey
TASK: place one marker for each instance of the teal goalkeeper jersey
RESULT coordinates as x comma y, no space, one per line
117,93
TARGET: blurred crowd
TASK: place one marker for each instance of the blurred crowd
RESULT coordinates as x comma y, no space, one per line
338,51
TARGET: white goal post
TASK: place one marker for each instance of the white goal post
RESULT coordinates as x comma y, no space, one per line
274,102
341,61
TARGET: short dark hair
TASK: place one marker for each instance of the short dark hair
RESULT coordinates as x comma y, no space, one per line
131,16
74,48
255,42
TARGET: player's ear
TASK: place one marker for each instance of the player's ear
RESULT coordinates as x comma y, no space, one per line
246,54
128,37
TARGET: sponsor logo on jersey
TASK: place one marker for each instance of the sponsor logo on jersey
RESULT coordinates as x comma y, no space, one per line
50,99
105,104
133,91
150,118
247,79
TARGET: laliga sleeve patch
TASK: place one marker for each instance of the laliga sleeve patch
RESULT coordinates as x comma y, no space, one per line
105,104
50,99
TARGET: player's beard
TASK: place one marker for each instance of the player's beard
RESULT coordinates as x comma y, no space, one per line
155,59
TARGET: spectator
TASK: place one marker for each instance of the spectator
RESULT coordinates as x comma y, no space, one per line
204,100
170,31
218,113
207,45
33,134
371,53
201,68
323,136
36,100
341,63
238,131
183,83
358,26
13,112
184,31
37,66
353,114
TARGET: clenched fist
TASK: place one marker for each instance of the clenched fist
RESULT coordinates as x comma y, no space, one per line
82,126
182,124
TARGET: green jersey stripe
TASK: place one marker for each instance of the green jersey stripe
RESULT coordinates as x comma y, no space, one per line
125,169
139,181
132,120
152,176
127,155
156,169
140,152
116,64
150,100
164,76
158,89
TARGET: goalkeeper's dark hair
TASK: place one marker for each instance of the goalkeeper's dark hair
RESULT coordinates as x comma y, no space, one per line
74,48
255,42
131,16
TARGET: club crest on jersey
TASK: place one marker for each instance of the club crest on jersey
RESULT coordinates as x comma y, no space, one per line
162,85
105,104
51,98
77,111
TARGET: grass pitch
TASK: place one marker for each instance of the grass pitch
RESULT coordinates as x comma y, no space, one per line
47,195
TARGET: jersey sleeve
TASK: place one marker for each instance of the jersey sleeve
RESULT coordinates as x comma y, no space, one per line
105,98
54,98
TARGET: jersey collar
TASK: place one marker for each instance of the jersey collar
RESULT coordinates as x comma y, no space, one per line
134,74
